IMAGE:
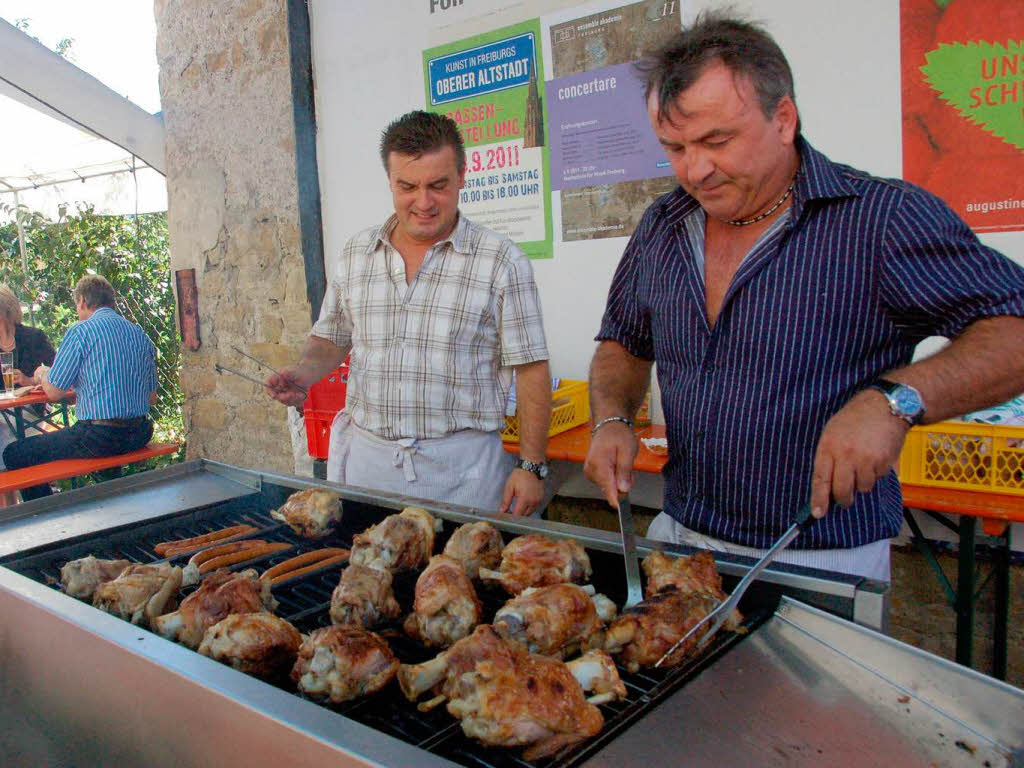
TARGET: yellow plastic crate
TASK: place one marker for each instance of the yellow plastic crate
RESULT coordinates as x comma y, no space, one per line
570,408
972,457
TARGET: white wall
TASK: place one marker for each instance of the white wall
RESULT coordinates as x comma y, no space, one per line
368,69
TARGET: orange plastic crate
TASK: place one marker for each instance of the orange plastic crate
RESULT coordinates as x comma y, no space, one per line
966,456
570,408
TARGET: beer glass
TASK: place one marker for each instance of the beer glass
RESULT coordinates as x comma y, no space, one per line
7,366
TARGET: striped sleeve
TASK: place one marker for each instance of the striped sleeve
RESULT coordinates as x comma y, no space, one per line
64,372
937,277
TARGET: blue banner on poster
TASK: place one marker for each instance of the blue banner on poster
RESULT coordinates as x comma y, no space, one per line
486,69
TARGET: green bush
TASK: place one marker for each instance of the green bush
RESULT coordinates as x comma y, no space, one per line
132,253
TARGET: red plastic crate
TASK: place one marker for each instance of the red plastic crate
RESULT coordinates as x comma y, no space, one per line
318,432
326,398
328,394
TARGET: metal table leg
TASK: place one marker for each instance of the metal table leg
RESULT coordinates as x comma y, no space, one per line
965,593
1001,565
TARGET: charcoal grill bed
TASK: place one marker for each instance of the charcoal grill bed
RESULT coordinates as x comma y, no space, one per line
85,688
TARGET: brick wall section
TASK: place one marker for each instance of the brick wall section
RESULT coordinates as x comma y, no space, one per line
233,216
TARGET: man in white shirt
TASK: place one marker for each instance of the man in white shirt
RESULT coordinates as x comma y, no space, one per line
438,312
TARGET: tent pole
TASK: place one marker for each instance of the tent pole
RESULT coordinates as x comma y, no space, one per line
24,258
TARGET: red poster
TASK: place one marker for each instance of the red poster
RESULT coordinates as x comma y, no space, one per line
963,106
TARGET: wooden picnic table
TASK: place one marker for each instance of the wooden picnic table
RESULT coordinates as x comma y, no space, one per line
13,411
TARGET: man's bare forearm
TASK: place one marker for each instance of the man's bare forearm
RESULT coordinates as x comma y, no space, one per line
319,357
618,381
533,399
982,367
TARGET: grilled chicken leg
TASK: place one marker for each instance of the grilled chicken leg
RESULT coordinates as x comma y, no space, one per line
398,542
342,663
475,545
220,594
363,598
79,578
446,607
534,560
549,620
140,593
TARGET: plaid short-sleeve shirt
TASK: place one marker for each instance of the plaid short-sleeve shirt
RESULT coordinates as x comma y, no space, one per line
434,356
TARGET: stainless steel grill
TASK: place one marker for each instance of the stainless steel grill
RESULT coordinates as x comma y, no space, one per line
306,603
83,687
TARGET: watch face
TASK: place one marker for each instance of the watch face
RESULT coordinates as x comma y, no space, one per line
907,401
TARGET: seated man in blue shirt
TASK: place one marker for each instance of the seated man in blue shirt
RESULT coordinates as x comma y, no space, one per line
110,364
782,296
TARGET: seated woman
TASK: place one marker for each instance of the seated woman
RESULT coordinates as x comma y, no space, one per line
31,349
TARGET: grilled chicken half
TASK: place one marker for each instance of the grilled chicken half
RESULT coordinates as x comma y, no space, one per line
310,513
475,545
552,620
342,663
259,644
140,593
79,578
446,608
398,542
696,574
221,593
363,598
504,696
645,632
534,560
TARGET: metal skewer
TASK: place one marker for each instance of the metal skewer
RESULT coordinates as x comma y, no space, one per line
265,365
223,369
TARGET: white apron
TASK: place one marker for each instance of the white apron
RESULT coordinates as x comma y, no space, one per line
870,560
468,468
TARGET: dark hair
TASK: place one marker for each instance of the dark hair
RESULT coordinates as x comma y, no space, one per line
743,47
416,133
95,291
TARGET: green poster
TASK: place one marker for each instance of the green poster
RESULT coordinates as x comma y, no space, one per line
489,85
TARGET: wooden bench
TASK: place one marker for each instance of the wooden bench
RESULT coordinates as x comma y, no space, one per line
50,471
996,511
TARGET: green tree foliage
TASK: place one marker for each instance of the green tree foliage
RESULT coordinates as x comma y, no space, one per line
131,252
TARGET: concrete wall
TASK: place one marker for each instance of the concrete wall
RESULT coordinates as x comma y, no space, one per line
233,215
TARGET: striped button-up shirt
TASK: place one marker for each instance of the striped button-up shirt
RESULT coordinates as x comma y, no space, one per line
433,356
111,365
860,272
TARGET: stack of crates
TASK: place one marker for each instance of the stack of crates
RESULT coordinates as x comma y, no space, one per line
326,398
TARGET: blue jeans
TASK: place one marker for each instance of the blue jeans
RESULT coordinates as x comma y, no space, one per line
79,441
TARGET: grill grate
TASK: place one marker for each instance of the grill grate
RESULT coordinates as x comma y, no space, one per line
305,603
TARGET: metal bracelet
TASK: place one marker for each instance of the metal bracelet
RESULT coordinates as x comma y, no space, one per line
602,422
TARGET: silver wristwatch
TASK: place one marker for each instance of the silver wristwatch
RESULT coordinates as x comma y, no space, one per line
905,402
539,468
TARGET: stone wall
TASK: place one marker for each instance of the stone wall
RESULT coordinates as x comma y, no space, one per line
233,216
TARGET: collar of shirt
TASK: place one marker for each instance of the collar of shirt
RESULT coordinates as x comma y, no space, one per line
817,179
460,239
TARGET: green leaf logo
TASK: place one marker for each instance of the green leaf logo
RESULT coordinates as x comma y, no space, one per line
984,82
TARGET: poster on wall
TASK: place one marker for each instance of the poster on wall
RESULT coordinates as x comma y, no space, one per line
963,106
606,164
489,85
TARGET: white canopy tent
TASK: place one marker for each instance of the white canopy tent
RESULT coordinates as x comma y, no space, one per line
68,139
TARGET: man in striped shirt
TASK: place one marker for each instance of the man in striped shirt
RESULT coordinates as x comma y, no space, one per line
438,312
110,364
782,296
